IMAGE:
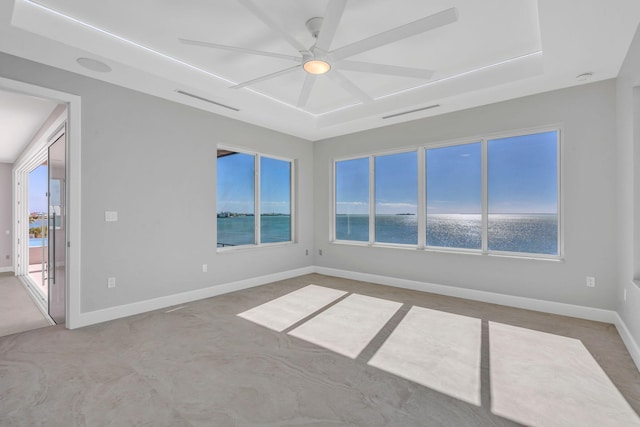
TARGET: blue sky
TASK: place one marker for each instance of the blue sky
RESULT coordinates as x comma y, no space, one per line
523,174
38,189
396,186
454,179
236,184
352,186
522,178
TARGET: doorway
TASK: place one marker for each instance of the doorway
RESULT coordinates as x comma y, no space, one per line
63,232
41,200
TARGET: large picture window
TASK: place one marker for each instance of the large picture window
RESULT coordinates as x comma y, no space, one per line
251,186
396,193
523,194
497,195
454,196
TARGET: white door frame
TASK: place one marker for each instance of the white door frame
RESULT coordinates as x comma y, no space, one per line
73,103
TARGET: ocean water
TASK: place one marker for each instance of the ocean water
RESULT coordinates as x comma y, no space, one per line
239,230
526,233
36,242
530,233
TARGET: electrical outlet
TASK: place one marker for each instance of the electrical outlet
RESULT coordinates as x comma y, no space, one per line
591,282
320,252
306,252
204,268
111,282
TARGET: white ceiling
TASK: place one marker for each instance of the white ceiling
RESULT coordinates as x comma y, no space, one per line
21,117
496,50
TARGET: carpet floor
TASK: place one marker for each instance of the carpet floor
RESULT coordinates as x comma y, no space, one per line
18,312
338,353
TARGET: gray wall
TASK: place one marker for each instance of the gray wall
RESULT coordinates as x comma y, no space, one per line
587,114
6,213
628,112
154,162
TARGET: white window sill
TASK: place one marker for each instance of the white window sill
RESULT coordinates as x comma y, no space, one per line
244,248
454,251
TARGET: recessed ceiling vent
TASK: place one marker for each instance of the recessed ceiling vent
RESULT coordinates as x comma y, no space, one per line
411,111
181,92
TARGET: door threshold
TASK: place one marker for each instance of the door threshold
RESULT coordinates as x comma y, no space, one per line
41,303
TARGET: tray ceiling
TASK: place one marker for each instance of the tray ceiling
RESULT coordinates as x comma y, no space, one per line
495,50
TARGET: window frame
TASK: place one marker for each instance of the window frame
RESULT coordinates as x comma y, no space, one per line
256,200
372,199
422,195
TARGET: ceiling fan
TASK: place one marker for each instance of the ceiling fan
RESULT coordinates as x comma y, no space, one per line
319,60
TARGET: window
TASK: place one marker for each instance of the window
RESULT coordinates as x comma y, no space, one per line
253,186
396,192
523,194
454,196
491,196
352,200
275,200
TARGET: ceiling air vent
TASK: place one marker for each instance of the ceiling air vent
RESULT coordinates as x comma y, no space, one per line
411,111
206,100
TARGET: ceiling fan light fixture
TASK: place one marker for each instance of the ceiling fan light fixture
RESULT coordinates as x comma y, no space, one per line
316,66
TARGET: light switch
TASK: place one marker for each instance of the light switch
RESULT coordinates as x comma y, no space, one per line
110,216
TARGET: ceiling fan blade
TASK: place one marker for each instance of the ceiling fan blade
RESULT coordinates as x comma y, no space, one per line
239,49
349,86
266,77
392,70
309,81
330,22
413,28
273,25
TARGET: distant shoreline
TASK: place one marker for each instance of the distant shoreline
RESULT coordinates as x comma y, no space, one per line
235,214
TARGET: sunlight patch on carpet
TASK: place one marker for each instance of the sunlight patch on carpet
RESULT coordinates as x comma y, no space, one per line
283,312
436,349
349,326
541,379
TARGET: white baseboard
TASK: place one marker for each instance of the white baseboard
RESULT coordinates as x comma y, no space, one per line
589,313
628,340
6,269
98,316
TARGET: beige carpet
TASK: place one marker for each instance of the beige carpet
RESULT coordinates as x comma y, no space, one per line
542,379
18,312
537,379
436,349
203,365
289,309
349,326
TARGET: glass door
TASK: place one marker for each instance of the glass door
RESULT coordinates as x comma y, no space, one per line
57,230
38,257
